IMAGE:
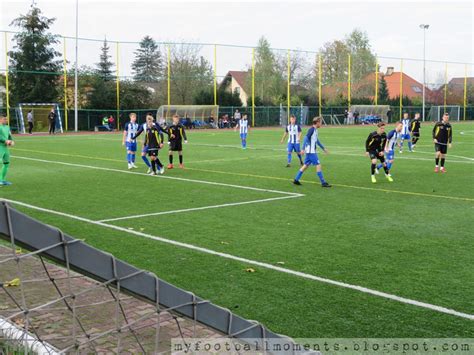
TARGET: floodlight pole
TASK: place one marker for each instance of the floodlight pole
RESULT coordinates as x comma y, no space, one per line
75,71
424,28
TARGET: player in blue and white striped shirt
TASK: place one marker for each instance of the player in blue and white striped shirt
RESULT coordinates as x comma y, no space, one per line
311,140
293,131
406,132
393,138
129,131
243,126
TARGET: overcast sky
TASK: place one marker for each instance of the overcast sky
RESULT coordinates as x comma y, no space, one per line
393,28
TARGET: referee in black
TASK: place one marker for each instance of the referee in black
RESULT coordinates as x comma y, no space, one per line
176,134
442,138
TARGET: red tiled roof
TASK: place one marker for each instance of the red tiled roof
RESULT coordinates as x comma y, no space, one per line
410,87
239,76
460,82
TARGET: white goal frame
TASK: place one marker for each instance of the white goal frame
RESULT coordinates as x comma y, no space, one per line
21,117
436,112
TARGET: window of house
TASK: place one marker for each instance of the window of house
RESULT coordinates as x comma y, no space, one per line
416,89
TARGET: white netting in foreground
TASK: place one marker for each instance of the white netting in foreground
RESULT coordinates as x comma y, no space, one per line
69,312
56,307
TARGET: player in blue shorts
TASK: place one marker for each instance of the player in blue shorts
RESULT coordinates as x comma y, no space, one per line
406,122
293,131
393,138
129,131
309,147
243,126
145,147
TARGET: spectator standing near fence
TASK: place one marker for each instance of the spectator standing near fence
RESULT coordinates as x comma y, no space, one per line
350,117
237,117
29,117
52,121
111,121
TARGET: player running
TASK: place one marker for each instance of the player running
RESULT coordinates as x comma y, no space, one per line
293,131
309,145
6,141
442,138
415,130
405,132
393,138
374,147
176,135
153,143
243,126
129,131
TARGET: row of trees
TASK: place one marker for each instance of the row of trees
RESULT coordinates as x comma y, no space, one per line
36,73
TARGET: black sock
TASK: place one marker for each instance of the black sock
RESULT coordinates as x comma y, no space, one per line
171,159
386,170
181,159
153,165
437,161
442,162
372,169
158,163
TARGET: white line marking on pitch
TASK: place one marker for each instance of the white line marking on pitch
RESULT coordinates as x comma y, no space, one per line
336,152
362,289
449,155
162,177
198,208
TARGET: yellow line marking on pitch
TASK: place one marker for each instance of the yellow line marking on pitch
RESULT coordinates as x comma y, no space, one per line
272,178
339,185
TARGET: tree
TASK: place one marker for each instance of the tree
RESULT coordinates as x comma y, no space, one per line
334,62
134,96
362,59
335,65
33,62
190,73
269,81
103,95
147,66
383,95
3,96
104,67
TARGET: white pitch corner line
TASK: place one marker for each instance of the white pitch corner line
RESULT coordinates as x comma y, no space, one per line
199,208
362,289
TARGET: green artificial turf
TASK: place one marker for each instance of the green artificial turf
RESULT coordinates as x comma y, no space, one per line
411,238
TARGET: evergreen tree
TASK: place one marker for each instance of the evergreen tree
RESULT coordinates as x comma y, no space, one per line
33,62
104,67
147,66
383,95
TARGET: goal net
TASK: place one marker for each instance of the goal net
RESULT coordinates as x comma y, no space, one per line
368,114
60,295
192,116
40,113
301,114
437,112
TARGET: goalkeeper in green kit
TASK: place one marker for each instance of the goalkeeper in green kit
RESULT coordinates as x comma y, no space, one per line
5,142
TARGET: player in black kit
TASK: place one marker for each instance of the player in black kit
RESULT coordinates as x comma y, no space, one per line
374,149
176,134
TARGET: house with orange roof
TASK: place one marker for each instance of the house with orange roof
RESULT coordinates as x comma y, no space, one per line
235,82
